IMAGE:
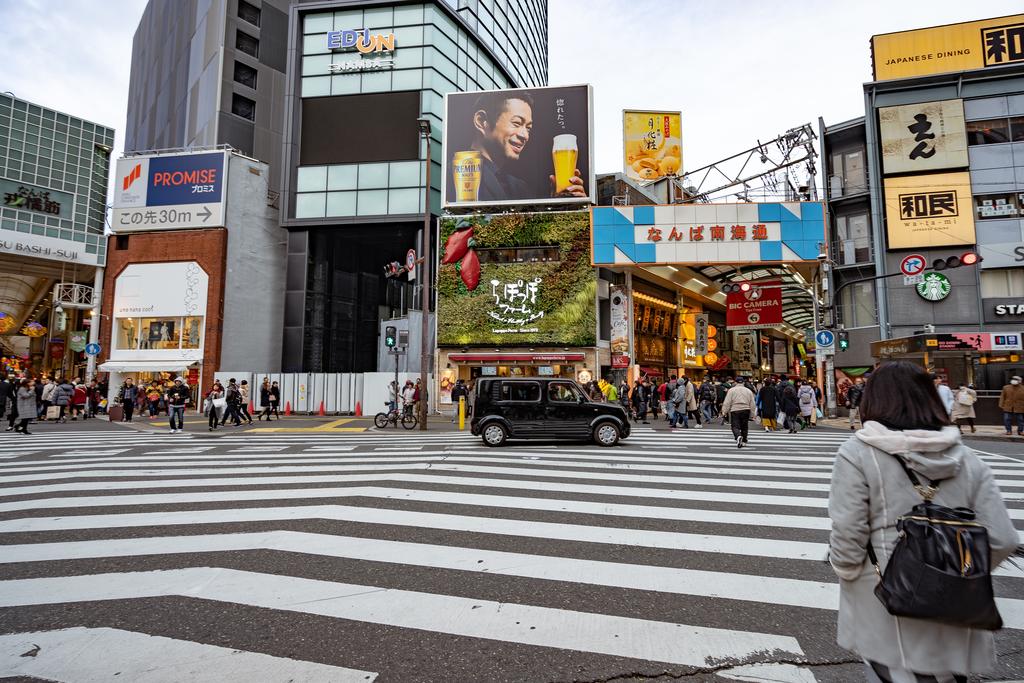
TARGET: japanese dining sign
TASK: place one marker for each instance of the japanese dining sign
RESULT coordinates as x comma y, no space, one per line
757,309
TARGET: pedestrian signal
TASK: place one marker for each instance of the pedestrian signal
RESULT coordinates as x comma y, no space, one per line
390,336
843,338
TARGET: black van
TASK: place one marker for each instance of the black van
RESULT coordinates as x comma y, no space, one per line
543,408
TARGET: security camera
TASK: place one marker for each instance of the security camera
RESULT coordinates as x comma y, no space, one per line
823,256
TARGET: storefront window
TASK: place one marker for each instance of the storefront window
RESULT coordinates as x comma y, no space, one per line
192,333
857,305
160,333
1006,205
988,132
127,336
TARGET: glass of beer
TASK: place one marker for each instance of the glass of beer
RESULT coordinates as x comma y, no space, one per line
466,172
563,155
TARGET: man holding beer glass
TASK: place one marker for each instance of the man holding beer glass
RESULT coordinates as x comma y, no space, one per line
502,123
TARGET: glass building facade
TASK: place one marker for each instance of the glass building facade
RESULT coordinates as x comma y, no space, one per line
43,150
353,193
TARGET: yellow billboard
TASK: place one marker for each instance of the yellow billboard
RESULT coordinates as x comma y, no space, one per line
932,210
652,144
953,47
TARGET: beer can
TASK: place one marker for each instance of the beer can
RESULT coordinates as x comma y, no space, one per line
467,175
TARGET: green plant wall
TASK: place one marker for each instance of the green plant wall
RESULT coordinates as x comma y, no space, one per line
566,294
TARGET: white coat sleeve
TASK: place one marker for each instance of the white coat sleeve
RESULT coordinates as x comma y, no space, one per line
991,513
850,511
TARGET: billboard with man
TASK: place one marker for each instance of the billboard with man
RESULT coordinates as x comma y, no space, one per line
526,146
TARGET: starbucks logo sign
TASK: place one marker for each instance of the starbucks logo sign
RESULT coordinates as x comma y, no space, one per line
935,287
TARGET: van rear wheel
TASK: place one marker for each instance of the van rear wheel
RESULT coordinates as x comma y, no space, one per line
494,435
606,434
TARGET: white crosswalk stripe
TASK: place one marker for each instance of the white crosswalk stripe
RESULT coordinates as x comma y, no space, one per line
431,536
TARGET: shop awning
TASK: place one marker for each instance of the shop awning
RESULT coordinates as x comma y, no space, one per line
515,357
144,366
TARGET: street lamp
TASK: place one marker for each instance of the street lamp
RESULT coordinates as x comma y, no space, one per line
425,277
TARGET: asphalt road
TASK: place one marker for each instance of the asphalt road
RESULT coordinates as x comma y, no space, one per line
330,555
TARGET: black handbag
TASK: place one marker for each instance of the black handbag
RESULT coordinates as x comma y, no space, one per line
940,566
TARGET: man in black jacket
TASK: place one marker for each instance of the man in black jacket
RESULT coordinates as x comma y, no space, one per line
853,396
234,398
178,397
459,391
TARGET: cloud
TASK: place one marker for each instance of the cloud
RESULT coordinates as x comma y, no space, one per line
739,71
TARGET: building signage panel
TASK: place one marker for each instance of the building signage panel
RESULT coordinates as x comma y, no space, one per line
953,47
38,246
1002,255
652,144
619,308
1003,310
529,146
931,210
37,199
923,137
758,309
145,290
375,50
493,291
700,327
707,233
170,192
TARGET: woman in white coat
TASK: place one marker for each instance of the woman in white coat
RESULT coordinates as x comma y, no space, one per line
905,418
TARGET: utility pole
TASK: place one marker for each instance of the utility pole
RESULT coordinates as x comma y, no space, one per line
426,353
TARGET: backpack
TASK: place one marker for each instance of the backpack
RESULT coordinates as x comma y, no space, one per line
964,398
940,567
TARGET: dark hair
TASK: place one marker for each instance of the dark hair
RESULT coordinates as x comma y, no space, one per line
494,104
901,395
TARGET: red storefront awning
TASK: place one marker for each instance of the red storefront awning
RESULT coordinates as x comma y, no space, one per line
515,357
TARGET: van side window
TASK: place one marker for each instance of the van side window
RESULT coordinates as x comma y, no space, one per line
563,392
520,391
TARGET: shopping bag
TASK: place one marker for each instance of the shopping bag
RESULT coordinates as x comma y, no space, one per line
53,412
817,411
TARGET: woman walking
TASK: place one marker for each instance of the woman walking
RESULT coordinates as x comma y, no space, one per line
791,407
808,402
963,407
243,407
63,394
905,420
264,401
275,400
769,406
26,404
214,398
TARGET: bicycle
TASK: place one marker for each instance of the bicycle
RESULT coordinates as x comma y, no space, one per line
393,416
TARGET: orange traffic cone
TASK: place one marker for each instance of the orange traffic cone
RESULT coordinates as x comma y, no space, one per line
321,412
359,409
287,408
252,407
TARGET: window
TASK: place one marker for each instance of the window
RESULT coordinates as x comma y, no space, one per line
995,206
127,334
192,333
1017,129
247,44
518,255
520,391
243,106
249,13
563,392
857,305
160,333
988,132
1002,283
121,242
854,239
246,75
849,167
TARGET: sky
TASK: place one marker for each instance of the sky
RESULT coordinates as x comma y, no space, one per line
739,71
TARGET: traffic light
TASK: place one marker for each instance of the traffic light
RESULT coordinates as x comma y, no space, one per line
968,258
390,336
843,339
732,288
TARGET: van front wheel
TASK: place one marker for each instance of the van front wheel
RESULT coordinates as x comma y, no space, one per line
606,434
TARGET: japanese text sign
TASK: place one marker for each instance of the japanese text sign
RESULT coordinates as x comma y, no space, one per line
929,211
652,144
756,309
953,47
923,137
169,191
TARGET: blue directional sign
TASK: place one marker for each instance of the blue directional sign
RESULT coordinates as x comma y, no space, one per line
92,349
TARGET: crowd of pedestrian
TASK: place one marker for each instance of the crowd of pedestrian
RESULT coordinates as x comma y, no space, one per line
27,399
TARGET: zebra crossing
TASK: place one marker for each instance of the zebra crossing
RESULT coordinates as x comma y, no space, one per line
426,556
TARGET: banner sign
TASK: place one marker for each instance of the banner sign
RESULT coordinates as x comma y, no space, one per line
933,210
619,314
707,233
953,47
923,137
652,144
758,309
173,191
514,147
